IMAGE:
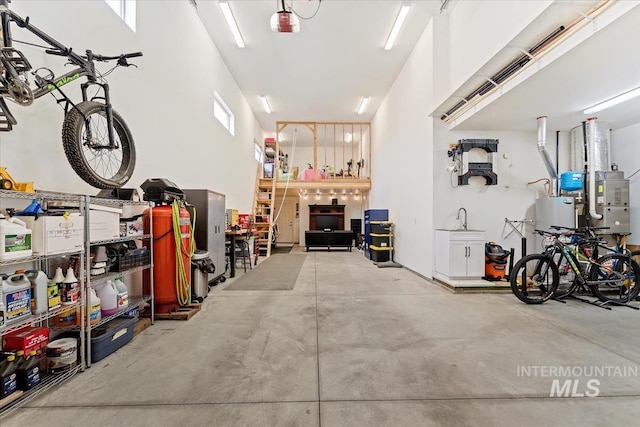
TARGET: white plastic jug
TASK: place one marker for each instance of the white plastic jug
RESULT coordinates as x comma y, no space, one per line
95,307
108,294
15,239
16,296
39,299
123,293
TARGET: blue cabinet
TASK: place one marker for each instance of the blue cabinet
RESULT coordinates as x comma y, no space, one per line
369,216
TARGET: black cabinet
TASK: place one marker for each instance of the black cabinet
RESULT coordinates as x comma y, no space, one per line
328,239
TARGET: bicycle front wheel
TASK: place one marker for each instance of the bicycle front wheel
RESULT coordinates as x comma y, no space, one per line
617,278
85,137
534,278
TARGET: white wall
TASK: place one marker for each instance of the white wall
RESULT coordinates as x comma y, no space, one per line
402,157
488,205
478,30
167,102
625,144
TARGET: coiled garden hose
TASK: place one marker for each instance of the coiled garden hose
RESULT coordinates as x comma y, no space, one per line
183,286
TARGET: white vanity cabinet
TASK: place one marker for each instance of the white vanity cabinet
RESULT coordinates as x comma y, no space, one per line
459,253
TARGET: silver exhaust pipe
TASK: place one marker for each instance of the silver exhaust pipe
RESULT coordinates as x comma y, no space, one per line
591,143
546,158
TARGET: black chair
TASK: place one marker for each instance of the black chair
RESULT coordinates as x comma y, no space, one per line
243,247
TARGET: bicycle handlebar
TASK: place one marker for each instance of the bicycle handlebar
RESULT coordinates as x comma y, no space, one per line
119,57
122,58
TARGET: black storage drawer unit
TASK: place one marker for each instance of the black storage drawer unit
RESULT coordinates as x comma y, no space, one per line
380,240
111,336
379,254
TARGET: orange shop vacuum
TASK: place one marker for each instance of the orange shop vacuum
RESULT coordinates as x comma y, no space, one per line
495,261
173,245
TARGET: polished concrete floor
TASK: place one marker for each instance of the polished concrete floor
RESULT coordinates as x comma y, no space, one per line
355,345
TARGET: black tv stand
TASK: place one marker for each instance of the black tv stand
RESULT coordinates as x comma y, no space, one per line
329,239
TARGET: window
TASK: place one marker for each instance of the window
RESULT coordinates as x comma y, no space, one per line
257,151
223,113
126,9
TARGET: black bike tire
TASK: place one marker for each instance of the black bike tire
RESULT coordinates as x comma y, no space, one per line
72,140
516,288
593,275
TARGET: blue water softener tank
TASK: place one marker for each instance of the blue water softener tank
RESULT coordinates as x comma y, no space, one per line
571,181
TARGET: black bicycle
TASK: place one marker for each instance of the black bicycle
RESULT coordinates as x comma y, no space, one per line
612,278
97,142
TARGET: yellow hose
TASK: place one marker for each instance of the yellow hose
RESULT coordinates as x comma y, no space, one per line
183,286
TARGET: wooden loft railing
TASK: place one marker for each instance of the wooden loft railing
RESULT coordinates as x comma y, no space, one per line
323,155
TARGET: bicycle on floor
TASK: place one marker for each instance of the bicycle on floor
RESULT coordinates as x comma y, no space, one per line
612,277
96,140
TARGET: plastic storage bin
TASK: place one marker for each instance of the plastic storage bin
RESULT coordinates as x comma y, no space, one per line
111,336
380,254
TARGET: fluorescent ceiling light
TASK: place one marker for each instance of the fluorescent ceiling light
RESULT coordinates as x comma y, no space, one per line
265,103
231,22
404,10
613,101
363,104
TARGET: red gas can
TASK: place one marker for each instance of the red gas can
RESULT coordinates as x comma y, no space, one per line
165,280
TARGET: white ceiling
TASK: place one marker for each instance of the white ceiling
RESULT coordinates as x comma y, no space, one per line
322,72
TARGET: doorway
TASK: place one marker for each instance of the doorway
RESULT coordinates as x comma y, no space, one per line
286,223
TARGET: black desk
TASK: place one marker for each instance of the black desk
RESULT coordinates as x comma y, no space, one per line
328,239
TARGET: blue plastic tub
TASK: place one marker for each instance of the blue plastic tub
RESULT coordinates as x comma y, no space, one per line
571,181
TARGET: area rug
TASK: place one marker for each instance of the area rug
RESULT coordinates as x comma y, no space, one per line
281,250
279,272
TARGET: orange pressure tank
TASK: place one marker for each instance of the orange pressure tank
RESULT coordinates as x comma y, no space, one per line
164,256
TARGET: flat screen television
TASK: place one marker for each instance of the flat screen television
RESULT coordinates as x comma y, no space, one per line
327,221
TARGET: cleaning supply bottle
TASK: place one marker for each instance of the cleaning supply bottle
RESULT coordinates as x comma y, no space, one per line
15,239
108,295
8,376
16,294
58,279
71,288
29,372
94,307
39,299
123,293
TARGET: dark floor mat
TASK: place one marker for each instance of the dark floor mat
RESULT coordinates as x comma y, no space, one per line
279,272
281,250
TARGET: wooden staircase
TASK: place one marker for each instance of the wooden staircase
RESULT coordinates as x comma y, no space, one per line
263,211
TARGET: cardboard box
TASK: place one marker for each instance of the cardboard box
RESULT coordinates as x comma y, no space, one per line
104,222
52,235
131,228
27,339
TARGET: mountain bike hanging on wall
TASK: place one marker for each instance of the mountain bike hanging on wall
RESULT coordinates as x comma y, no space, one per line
96,140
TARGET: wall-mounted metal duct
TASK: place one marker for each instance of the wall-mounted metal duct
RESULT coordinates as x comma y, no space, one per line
505,73
546,158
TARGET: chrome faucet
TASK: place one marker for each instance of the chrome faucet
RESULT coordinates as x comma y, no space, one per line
464,224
